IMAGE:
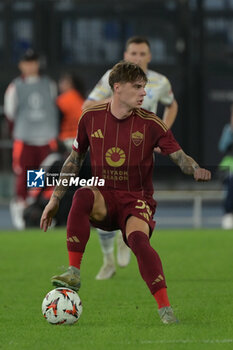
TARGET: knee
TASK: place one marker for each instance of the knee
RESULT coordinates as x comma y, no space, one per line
136,239
99,210
84,199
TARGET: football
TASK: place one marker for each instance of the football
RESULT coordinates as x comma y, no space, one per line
62,306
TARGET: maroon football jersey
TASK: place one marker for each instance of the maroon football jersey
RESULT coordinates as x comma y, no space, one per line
121,151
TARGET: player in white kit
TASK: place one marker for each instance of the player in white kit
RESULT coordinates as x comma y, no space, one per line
158,90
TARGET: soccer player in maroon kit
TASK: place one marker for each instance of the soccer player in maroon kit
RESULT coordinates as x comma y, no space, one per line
121,137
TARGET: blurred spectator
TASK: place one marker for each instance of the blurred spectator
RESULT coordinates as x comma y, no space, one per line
226,166
29,105
69,102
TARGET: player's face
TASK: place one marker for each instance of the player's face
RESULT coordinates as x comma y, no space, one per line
131,94
139,54
29,68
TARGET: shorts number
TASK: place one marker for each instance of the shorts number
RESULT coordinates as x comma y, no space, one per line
142,205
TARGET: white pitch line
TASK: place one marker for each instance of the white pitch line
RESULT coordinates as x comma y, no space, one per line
189,341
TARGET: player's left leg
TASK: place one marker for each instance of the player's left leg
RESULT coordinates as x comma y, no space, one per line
150,266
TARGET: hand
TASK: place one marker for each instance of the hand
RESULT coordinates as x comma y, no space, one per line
49,212
157,150
201,174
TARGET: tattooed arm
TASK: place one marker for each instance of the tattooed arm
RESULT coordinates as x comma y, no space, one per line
71,167
189,166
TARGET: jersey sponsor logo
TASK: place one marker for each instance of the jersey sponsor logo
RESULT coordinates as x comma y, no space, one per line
137,138
115,157
115,175
98,134
36,178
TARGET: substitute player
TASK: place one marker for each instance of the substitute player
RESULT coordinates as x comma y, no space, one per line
158,90
123,156
29,105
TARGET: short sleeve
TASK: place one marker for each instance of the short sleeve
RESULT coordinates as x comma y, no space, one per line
81,143
10,102
102,89
168,143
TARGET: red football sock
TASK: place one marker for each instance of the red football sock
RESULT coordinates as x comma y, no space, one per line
162,298
149,262
75,259
78,224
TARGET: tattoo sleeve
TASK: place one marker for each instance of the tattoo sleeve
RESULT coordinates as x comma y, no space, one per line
185,162
71,167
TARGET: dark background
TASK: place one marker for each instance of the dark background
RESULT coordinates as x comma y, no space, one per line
191,42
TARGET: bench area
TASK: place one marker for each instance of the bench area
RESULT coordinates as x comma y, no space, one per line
196,198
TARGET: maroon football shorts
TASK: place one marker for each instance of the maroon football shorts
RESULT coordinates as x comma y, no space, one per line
121,205
26,157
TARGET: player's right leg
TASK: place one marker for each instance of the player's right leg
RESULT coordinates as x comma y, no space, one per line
150,266
69,279
87,203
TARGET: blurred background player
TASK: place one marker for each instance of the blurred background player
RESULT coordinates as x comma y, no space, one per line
226,167
158,90
69,102
29,105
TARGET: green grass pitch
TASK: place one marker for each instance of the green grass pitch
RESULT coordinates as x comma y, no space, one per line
119,313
